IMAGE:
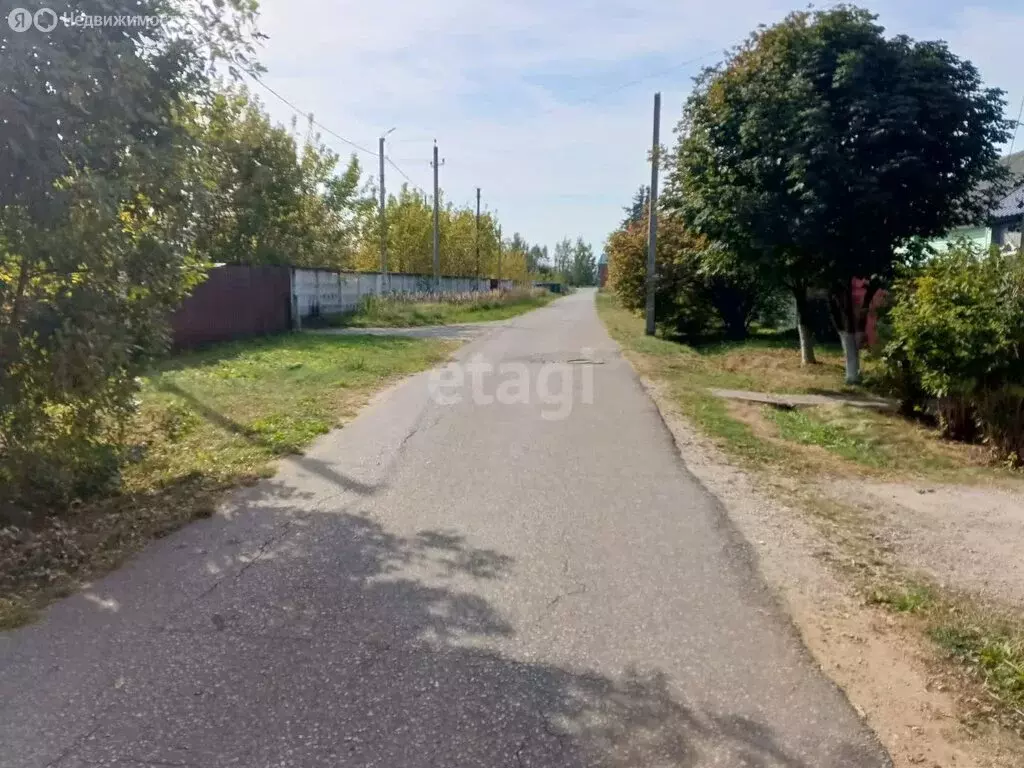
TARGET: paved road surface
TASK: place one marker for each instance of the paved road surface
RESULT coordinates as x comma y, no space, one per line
455,331
443,585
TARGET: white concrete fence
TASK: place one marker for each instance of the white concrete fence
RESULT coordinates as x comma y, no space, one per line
322,292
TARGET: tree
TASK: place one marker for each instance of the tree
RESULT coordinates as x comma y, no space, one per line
271,201
101,179
583,270
636,211
536,257
695,280
821,151
563,257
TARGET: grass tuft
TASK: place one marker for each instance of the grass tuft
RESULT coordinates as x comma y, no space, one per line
913,598
994,655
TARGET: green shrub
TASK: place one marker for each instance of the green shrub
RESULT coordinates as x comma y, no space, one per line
681,305
698,289
956,335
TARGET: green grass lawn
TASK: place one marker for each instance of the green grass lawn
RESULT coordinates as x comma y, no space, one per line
399,313
208,421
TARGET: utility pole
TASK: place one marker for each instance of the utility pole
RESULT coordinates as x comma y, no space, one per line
437,233
652,232
478,236
383,217
499,257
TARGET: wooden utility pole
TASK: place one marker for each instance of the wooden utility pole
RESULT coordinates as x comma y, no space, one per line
383,218
478,236
652,218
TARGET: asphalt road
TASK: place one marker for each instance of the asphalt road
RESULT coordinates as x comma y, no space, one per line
444,584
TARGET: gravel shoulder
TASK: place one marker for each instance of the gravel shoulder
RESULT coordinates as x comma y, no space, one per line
965,537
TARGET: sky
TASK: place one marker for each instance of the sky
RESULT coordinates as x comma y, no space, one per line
546,104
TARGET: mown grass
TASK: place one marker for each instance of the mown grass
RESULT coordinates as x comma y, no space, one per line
837,439
208,421
806,427
798,449
398,312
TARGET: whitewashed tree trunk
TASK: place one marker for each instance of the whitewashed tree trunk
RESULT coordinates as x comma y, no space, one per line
852,351
806,344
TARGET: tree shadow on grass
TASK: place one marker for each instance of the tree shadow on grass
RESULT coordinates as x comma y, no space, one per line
342,643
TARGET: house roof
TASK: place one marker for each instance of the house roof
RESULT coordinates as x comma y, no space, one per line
1012,206
1015,163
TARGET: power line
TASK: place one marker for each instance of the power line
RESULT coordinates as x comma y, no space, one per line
249,71
648,76
318,124
623,86
403,174
1016,125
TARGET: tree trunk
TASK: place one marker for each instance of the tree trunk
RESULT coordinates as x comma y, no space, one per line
844,315
803,327
851,351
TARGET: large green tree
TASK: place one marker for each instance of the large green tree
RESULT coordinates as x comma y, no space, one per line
271,200
583,268
563,257
821,150
98,186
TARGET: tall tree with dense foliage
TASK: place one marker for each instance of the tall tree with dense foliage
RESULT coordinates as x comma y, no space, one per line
583,269
99,181
563,256
820,150
274,201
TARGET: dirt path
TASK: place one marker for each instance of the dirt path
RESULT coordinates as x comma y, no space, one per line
967,537
886,672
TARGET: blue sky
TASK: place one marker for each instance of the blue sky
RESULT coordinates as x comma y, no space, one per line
536,101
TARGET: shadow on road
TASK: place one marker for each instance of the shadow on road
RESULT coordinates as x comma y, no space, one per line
344,644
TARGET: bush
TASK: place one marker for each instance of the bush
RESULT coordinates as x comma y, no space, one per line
698,289
956,335
681,305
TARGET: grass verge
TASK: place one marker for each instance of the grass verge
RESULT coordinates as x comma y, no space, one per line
796,449
838,439
406,312
208,421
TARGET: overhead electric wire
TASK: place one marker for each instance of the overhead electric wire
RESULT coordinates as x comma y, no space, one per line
404,175
315,122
